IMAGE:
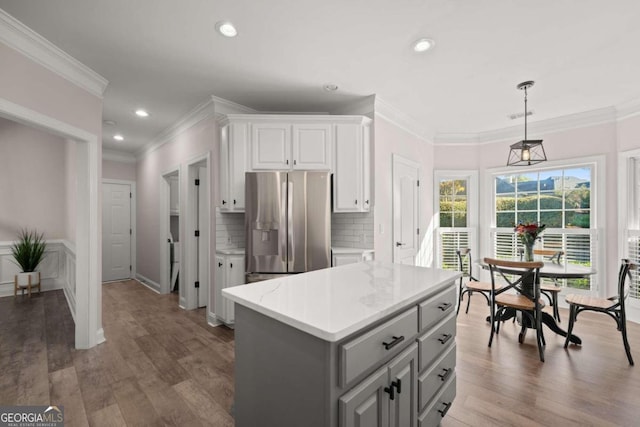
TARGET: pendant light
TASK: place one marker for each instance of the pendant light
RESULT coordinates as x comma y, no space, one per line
528,151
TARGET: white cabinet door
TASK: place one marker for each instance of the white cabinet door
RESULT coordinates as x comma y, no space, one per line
235,277
351,177
220,281
312,145
233,165
270,146
238,162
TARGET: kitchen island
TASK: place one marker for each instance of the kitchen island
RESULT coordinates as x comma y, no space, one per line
364,344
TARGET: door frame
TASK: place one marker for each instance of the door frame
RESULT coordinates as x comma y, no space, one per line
189,245
396,158
132,213
88,244
165,211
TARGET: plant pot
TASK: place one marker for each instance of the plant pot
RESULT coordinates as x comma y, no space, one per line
23,278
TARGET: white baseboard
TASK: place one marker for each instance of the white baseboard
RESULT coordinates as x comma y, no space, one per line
148,283
212,320
100,338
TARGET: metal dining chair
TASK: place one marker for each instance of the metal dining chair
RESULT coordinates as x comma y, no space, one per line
468,283
549,290
613,306
522,277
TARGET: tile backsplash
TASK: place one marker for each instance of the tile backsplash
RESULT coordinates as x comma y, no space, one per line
348,230
352,230
229,230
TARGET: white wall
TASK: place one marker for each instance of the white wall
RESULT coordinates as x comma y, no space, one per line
112,169
390,139
33,182
195,141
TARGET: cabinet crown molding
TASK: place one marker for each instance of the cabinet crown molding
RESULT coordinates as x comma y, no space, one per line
293,118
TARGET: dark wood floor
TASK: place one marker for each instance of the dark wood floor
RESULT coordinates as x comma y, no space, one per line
164,366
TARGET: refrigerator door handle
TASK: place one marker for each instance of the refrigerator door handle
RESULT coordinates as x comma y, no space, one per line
282,232
291,260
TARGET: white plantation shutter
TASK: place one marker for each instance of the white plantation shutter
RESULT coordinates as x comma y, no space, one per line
633,247
577,244
449,241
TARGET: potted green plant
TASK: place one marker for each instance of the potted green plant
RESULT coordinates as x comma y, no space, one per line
28,252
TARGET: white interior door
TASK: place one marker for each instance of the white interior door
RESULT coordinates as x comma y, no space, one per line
203,240
116,231
405,210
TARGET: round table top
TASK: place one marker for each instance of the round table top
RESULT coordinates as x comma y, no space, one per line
554,270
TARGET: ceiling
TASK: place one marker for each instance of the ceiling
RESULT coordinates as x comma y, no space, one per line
166,56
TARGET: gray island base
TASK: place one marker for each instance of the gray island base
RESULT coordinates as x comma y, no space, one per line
368,344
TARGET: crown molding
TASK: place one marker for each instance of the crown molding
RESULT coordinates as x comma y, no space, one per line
628,109
118,156
223,106
391,114
364,107
201,112
539,128
21,38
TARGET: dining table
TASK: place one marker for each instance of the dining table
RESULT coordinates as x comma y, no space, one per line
551,270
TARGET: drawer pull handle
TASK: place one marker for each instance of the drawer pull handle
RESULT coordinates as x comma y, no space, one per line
390,391
397,384
445,338
396,341
445,306
445,374
444,411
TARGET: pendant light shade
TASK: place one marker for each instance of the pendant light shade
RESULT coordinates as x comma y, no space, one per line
528,151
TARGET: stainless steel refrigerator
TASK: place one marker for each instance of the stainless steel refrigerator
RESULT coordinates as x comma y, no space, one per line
287,223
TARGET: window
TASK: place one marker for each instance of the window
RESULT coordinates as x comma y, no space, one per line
456,207
559,198
629,206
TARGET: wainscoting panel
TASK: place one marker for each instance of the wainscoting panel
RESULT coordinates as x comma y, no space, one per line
57,270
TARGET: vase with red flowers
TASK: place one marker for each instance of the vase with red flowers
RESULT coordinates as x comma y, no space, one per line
528,233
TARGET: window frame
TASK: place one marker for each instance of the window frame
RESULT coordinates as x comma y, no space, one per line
628,207
473,220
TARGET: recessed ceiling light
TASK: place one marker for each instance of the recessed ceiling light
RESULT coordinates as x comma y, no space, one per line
423,45
108,123
226,28
330,87
118,137
142,113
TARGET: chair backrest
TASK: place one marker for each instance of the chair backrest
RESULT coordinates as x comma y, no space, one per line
624,279
465,263
552,255
518,275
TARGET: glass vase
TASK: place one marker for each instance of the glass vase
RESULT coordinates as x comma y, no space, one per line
528,252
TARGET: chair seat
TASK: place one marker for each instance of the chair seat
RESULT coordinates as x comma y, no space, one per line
472,285
587,301
519,302
550,288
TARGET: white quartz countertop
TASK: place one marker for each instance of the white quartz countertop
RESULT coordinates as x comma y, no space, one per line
335,302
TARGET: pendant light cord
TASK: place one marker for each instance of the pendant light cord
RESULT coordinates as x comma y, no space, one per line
525,113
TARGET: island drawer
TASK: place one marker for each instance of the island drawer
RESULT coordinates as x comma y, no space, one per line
437,308
430,382
435,412
434,342
370,349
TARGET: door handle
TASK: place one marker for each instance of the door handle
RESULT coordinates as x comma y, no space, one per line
400,244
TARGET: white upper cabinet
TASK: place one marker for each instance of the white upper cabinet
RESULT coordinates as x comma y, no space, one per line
312,145
287,145
233,165
271,146
351,177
